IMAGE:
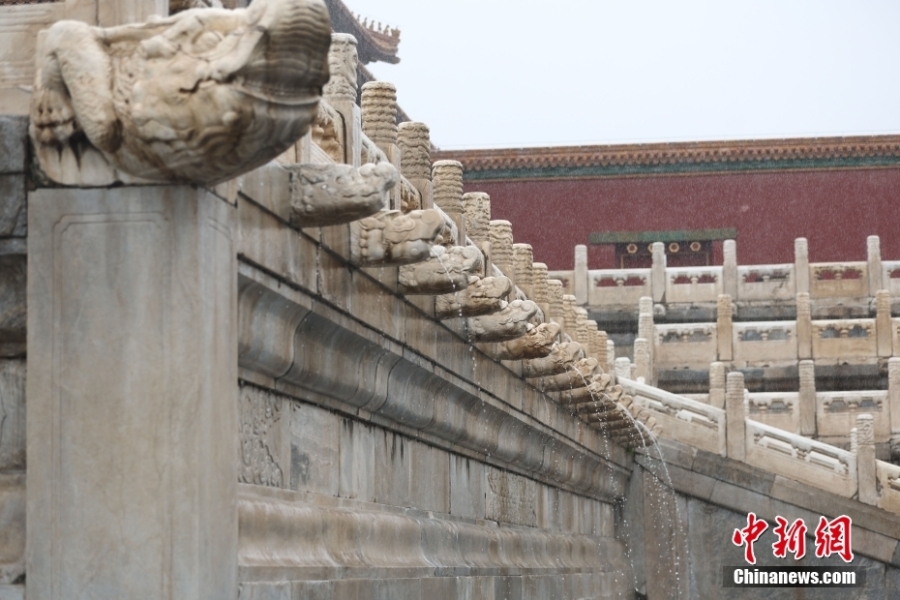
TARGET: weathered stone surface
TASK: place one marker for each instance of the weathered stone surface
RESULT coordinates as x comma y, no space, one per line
151,272
140,93
12,415
12,304
448,271
333,194
467,491
263,421
510,498
12,528
315,449
392,237
13,143
13,216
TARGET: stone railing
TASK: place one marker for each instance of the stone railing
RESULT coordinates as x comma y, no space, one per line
688,421
692,285
750,284
747,430
766,283
617,287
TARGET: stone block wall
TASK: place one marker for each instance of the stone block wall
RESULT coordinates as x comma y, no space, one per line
13,237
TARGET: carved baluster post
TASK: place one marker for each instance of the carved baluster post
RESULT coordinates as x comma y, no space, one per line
873,264
583,330
523,259
570,317
865,458
658,272
539,288
502,252
729,268
717,384
340,93
557,307
724,328
804,326
647,328
379,123
477,206
610,357
807,408
735,416
894,400
415,160
883,335
623,367
447,180
642,360
581,274
599,348
801,265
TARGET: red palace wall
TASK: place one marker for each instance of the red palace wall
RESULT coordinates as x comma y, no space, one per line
835,210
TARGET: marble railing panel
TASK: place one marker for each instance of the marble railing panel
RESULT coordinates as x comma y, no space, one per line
820,465
566,277
618,286
844,339
685,345
766,282
836,413
890,277
682,419
765,341
778,409
846,280
887,476
693,284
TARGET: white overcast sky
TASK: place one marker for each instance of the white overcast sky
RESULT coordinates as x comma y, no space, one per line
504,73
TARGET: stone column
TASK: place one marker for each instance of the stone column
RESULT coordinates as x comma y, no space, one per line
340,93
724,328
717,384
570,317
600,348
610,357
801,265
894,395
581,274
647,330
804,326
865,459
729,268
555,299
807,399
523,266
623,367
125,12
539,288
447,179
414,141
735,415
379,123
132,395
477,207
658,272
883,335
642,360
501,236
873,264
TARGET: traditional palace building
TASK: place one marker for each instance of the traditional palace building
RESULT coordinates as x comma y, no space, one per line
692,196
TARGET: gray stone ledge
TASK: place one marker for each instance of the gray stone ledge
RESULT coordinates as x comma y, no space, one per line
404,390
13,143
286,539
